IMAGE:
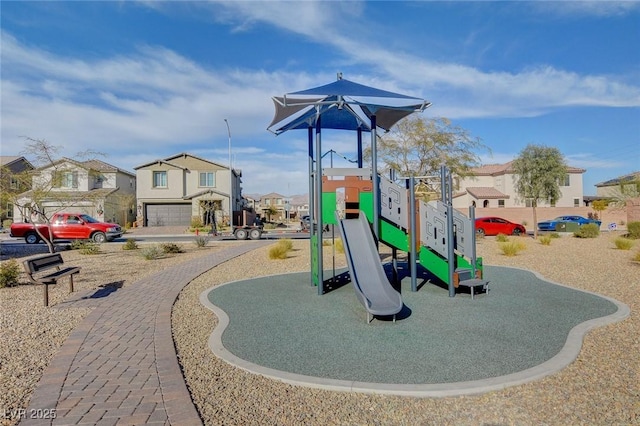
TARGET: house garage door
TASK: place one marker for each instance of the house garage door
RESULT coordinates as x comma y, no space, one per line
168,214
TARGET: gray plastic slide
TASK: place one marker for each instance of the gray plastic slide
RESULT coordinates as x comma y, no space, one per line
367,275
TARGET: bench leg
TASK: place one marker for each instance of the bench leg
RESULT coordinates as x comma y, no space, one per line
46,295
71,283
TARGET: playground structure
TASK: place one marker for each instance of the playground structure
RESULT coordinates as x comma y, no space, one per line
446,238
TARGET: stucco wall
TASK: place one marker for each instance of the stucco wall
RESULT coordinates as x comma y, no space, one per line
633,210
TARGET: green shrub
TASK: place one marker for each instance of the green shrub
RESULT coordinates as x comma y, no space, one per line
278,251
286,243
590,230
201,241
171,248
512,248
623,243
196,222
339,246
633,230
85,246
151,252
502,238
281,249
545,240
90,248
130,244
77,244
6,224
9,273
636,257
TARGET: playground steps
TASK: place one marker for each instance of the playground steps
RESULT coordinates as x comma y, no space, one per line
464,277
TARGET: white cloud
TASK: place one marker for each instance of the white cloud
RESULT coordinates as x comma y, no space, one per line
497,157
575,9
155,102
589,161
462,91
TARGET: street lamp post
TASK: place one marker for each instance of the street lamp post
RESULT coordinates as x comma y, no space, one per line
230,179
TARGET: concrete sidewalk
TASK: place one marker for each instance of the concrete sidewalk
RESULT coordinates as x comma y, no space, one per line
119,366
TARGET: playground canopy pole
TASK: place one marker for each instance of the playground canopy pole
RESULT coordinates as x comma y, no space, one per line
413,235
359,146
318,204
375,180
311,201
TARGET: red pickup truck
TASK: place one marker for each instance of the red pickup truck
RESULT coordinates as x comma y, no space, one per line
68,226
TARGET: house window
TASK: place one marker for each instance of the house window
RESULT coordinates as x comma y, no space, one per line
208,179
576,202
9,210
566,182
528,202
13,183
68,179
500,203
159,179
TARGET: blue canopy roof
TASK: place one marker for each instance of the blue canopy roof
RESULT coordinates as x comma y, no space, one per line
344,87
343,105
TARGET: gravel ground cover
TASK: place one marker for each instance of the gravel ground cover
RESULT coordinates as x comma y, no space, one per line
600,388
31,334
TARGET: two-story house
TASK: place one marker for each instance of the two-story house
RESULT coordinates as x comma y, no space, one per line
493,185
15,179
175,190
299,206
273,207
93,187
613,188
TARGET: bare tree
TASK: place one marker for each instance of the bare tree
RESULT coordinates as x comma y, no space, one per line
418,147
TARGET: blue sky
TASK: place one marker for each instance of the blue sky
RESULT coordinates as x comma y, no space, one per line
145,80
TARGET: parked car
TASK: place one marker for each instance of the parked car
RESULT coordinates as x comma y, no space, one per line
498,225
305,222
551,225
68,226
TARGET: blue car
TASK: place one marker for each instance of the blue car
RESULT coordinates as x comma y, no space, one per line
550,225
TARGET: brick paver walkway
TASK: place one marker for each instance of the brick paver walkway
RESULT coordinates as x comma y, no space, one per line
119,366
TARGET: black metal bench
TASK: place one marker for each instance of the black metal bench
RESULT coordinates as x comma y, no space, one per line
39,268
